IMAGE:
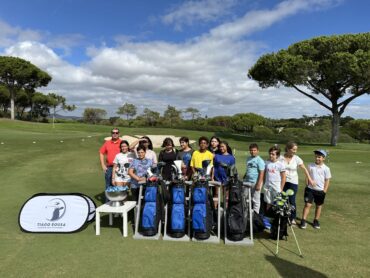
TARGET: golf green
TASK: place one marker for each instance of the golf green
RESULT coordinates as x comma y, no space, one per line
38,158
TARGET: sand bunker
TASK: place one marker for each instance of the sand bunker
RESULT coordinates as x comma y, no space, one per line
157,140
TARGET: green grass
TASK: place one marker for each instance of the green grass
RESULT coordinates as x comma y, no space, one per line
339,249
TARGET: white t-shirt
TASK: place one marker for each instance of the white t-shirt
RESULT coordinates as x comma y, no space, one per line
292,168
319,173
272,174
123,161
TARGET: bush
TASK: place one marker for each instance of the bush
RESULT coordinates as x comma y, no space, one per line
263,132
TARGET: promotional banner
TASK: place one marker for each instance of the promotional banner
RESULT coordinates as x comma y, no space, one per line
92,207
56,213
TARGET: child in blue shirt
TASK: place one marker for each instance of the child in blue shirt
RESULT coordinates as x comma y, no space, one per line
255,174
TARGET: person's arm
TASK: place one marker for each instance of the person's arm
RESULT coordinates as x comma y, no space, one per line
326,185
134,144
114,173
160,156
102,162
132,174
308,178
283,178
261,178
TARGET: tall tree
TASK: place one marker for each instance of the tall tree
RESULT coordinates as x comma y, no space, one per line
127,109
93,115
40,106
331,70
16,73
172,115
194,113
151,117
58,103
4,99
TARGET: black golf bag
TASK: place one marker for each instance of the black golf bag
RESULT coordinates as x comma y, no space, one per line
202,219
153,209
283,227
283,210
176,211
236,214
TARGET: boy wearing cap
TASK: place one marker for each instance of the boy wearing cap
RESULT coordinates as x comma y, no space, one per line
320,175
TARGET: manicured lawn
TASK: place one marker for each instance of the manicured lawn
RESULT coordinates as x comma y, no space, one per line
339,249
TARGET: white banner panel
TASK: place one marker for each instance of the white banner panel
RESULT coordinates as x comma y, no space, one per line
50,213
92,208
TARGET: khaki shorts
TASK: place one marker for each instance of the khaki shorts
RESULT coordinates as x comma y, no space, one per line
270,195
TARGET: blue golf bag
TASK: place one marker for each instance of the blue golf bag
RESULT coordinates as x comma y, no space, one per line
176,212
153,209
202,214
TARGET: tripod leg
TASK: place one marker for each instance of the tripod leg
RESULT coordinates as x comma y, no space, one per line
295,238
278,236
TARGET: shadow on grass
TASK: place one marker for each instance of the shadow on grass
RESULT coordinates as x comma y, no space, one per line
289,269
265,240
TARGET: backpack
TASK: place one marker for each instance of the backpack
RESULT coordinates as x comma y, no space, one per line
176,211
257,222
236,214
202,219
153,209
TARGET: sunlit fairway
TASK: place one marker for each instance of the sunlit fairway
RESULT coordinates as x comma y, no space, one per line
38,158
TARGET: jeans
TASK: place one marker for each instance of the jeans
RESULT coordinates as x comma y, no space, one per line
294,187
108,177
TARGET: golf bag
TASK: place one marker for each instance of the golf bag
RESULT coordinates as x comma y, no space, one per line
202,219
176,211
283,227
153,209
236,213
283,210
257,222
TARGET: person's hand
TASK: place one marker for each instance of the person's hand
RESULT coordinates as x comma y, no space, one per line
258,187
312,182
142,179
113,183
104,167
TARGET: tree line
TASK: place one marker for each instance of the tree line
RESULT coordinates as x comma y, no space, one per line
307,129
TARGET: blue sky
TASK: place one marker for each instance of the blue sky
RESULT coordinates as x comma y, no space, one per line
182,53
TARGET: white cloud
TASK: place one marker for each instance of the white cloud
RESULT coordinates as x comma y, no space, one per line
191,12
207,72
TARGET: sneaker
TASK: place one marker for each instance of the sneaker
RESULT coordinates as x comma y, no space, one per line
316,224
303,224
293,222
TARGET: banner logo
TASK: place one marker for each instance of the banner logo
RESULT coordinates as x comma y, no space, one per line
55,209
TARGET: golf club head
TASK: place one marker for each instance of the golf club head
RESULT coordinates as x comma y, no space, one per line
208,170
149,173
178,164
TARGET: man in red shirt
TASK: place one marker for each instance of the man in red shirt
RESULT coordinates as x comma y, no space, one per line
107,153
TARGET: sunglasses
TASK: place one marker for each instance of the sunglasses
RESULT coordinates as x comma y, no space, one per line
115,132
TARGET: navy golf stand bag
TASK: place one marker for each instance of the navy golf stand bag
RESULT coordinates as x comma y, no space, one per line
177,226
150,212
202,210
